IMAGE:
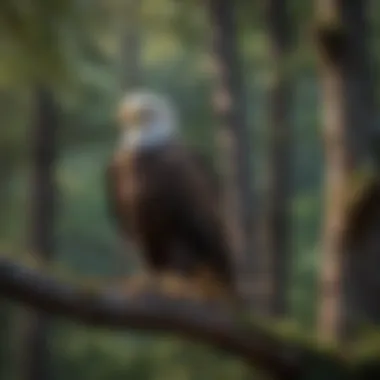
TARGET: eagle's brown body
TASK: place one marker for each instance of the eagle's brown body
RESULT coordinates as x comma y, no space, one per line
166,201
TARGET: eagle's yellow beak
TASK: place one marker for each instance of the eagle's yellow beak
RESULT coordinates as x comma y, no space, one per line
129,117
133,117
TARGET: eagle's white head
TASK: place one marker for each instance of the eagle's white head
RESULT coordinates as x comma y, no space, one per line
146,119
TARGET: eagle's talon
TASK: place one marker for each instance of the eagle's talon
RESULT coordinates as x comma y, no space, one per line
176,286
173,285
209,289
138,284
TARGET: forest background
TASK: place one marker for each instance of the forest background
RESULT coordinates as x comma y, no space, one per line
63,67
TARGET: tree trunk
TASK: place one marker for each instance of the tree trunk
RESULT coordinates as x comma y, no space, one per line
35,354
347,123
235,147
277,210
131,76
362,279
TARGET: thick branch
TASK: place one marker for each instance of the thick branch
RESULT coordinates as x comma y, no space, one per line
107,308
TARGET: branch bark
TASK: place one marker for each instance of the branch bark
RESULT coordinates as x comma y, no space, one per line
155,313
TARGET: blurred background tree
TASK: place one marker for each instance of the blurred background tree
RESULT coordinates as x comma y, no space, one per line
277,231
85,54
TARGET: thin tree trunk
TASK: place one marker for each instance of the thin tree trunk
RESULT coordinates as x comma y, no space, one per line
34,345
130,61
235,147
347,125
277,210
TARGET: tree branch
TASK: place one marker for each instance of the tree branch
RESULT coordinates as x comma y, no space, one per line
148,312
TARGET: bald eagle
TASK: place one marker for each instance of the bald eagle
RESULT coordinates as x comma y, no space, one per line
164,195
